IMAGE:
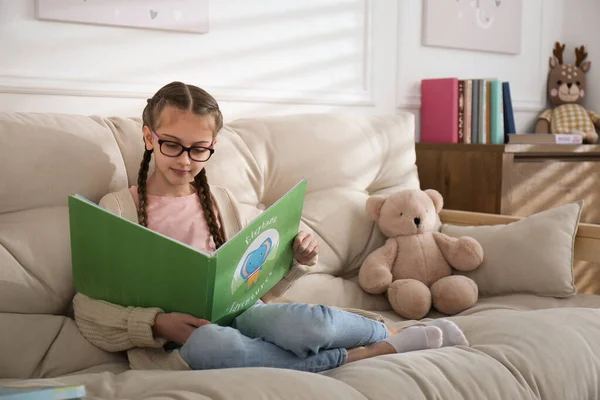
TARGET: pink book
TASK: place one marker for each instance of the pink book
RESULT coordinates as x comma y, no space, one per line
439,110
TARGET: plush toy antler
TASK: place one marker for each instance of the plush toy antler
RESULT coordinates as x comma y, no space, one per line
581,54
558,52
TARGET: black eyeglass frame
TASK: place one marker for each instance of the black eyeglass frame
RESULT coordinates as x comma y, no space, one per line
211,150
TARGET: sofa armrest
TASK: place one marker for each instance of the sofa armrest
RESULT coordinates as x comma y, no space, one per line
587,241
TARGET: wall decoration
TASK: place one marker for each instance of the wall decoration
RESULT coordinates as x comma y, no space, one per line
173,15
485,25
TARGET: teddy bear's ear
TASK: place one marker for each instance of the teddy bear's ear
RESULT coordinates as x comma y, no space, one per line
374,204
436,197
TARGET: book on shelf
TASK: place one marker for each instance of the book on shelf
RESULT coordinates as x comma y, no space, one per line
468,101
545,138
125,263
439,110
496,107
476,110
509,116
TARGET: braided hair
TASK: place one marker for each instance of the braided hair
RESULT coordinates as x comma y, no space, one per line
198,101
208,206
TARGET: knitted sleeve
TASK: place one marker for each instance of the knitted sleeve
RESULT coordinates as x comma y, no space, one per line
594,116
115,328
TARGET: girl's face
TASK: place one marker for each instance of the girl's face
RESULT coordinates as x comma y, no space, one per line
178,128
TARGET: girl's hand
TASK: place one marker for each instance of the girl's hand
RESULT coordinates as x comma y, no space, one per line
306,248
176,327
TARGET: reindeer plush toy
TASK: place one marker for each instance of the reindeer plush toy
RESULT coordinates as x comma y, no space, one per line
566,89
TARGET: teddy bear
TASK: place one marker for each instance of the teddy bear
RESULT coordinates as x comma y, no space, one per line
566,90
415,265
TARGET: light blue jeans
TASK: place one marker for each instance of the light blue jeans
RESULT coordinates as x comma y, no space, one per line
292,336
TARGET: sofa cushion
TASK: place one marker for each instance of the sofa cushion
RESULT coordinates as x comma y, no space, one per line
50,156
35,261
533,255
45,346
335,291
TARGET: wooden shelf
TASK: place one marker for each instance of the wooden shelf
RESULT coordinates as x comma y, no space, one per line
563,149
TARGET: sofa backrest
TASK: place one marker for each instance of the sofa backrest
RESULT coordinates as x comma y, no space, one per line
46,157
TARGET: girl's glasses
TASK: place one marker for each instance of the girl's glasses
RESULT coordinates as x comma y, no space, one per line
174,149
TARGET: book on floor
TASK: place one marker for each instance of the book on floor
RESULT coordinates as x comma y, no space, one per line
125,263
42,393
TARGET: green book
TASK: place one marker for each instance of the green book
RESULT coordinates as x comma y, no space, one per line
496,113
124,263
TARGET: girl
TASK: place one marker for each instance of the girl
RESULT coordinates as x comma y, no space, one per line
180,125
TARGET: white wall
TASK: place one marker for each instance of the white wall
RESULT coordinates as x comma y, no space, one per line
580,27
262,56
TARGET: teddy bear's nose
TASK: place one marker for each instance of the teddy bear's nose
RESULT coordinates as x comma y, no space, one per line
417,221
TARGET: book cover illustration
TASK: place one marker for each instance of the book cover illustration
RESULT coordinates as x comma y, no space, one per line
124,263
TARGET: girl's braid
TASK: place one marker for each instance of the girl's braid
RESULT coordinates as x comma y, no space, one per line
208,206
141,189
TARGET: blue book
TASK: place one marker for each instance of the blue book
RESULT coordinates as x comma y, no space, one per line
43,393
509,116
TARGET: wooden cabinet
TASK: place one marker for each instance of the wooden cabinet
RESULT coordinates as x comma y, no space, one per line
516,179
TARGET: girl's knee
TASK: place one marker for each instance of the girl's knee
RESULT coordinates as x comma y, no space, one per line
307,329
319,327
300,328
212,346
303,315
295,319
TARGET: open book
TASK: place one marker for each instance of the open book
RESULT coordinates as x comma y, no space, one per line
127,264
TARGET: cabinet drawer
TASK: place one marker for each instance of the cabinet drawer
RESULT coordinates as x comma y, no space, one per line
537,184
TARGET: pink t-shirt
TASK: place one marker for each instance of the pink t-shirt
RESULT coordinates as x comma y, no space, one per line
181,218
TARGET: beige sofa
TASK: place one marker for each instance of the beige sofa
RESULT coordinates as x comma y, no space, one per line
524,345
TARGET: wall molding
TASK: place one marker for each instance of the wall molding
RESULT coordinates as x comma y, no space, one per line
103,89
363,96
